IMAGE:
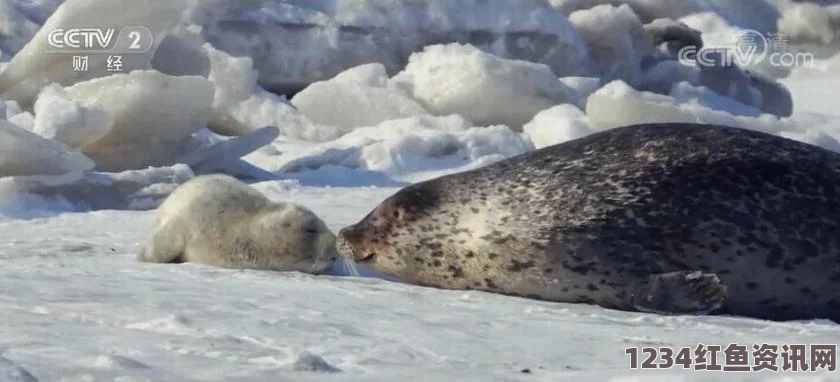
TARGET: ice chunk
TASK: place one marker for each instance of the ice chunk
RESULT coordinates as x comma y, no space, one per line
715,30
674,34
617,39
25,120
558,124
240,105
266,109
648,10
153,114
688,94
584,86
296,43
809,22
347,104
60,118
9,109
659,74
182,53
487,90
16,27
410,149
234,77
617,104
752,14
12,112
224,156
134,190
27,155
758,15
375,75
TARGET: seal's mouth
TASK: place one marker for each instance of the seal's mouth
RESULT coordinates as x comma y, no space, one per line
346,237
366,258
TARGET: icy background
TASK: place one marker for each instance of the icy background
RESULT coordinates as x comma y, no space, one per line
380,94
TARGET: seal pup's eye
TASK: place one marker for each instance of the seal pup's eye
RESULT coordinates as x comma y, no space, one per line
310,227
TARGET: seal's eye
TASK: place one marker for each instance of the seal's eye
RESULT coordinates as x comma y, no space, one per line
397,213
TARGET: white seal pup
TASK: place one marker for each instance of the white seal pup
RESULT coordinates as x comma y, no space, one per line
219,221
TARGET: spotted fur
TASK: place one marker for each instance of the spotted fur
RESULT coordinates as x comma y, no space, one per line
583,220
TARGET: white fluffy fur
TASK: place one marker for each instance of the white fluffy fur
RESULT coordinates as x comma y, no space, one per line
219,221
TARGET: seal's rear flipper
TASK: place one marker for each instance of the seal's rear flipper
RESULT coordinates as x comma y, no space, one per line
685,292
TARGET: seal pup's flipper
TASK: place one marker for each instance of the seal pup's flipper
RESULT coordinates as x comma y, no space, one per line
684,292
166,245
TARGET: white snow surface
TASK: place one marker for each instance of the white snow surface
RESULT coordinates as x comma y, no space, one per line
75,304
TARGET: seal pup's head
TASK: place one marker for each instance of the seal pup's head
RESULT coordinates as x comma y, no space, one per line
297,239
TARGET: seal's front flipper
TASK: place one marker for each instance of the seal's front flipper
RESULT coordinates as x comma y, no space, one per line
685,292
166,245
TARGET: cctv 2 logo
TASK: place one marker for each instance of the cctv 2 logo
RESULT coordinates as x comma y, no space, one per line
132,39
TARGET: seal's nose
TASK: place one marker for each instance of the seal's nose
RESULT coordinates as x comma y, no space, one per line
344,241
350,244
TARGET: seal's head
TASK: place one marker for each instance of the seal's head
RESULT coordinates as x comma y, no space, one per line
408,235
299,240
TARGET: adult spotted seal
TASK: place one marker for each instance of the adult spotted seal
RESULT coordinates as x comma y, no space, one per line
663,218
219,221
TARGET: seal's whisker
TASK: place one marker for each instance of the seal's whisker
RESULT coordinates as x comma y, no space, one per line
350,266
345,267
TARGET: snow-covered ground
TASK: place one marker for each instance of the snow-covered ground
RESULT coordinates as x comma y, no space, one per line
76,306
378,112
